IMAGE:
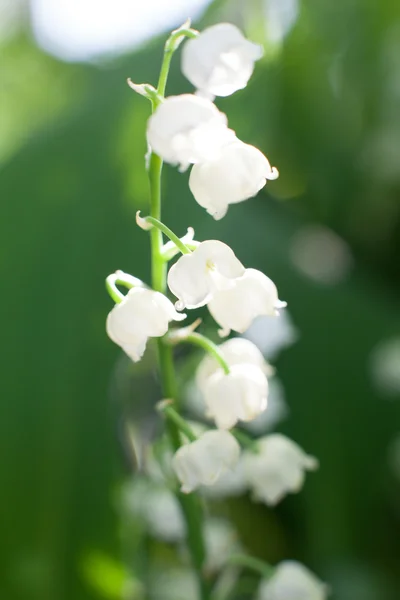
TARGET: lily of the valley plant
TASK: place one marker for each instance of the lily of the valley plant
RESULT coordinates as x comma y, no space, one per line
189,131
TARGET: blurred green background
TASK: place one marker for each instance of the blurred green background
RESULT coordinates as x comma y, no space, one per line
324,105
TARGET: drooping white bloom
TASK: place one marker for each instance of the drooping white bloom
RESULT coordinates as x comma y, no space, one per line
195,277
277,469
220,60
143,313
240,395
220,539
237,174
292,581
236,351
187,129
202,462
251,295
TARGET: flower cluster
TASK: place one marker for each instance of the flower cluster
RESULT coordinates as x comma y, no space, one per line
189,129
233,377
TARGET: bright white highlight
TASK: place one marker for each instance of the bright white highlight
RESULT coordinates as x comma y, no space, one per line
187,129
238,174
142,314
194,278
220,60
80,30
251,295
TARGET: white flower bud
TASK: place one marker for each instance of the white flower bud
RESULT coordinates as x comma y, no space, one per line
142,314
202,462
292,581
240,395
277,469
196,276
187,129
235,351
250,296
220,60
236,175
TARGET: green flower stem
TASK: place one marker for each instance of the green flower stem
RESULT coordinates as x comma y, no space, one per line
171,45
203,342
121,278
245,440
176,418
255,564
190,503
168,232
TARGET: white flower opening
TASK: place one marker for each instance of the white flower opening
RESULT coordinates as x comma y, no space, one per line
187,129
240,395
236,351
195,277
220,60
204,461
143,313
238,174
292,581
250,296
277,469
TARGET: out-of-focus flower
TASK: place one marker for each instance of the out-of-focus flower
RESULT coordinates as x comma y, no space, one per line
251,295
155,506
231,483
272,335
172,583
203,461
237,174
319,253
385,366
292,581
195,277
163,515
236,351
240,395
142,313
276,412
187,129
220,60
277,468
220,541
394,456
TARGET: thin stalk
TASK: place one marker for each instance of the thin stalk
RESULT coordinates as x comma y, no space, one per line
203,342
245,440
124,279
255,564
176,418
168,232
190,503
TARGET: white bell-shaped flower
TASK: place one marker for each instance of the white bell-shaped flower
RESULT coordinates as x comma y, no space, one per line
187,129
240,395
236,351
195,277
220,60
292,581
143,313
203,461
250,296
277,468
237,174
